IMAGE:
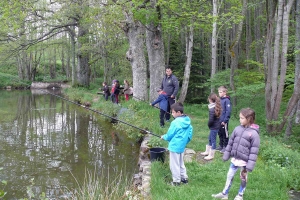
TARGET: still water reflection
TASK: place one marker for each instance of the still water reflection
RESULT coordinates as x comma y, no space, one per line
48,139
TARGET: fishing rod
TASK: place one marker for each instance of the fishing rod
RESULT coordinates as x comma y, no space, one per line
148,103
96,111
143,131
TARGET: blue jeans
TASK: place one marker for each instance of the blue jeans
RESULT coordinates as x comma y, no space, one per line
230,175
212,138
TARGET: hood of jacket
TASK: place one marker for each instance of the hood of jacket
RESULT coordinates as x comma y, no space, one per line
184,121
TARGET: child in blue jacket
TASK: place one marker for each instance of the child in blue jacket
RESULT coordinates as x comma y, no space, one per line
179,135
163,105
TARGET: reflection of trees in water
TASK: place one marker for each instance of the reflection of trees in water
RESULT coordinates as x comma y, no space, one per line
49,137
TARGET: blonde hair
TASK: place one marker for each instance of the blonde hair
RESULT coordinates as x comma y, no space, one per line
223,89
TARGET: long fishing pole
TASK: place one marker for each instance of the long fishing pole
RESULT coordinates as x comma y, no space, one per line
96,111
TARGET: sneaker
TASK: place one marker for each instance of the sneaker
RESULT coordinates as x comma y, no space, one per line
223,150
220,196
175,183
162,126
238,197
184,181
219,148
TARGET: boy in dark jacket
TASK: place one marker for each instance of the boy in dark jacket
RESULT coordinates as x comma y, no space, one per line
224,118
163,105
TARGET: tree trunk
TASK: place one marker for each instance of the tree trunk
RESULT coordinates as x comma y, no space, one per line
188,63
268,61
214,43
274,88
234,50
155,48
294,115
257,35
73,60
283,64
135,54
83,68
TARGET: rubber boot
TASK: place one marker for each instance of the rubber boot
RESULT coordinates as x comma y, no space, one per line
211,155
206,152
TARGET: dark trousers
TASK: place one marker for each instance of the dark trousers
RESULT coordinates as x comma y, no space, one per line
113,98
170,102
162,117
105,95
222,136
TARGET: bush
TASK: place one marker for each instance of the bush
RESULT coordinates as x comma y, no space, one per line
283,158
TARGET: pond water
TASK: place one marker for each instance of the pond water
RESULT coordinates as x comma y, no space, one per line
54,142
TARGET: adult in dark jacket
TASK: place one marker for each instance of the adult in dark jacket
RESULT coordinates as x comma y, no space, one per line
163,106
170,85
243,147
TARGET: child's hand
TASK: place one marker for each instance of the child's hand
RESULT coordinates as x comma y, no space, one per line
244,174
150,104
161,137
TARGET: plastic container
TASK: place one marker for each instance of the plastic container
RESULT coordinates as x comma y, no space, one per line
157,154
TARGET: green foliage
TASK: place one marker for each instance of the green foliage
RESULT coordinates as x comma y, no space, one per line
283,158
93,189
279,153
11,80
289,82
155,142
3,183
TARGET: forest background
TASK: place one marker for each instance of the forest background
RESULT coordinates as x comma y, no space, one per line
250,46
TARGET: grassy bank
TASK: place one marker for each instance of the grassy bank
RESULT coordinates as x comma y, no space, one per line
277,168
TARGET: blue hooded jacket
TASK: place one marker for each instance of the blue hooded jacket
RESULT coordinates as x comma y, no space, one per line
226,109
179,134
163,102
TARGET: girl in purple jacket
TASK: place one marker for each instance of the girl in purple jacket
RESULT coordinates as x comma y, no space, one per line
243,149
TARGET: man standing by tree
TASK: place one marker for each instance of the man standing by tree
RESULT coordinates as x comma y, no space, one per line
170,85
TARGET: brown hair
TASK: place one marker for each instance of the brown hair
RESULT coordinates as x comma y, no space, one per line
249,114
177,107
218,108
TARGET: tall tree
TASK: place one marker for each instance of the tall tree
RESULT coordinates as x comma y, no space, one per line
275,68
155,48
135,31
293,111
188,62
233,49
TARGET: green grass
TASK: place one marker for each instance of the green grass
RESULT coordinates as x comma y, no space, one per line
276,172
